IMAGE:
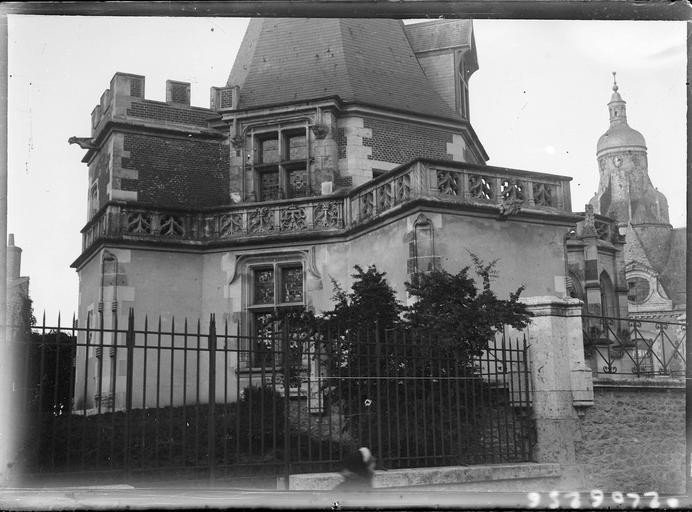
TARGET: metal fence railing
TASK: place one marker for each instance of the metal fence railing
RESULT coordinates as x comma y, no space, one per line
102,402
634,347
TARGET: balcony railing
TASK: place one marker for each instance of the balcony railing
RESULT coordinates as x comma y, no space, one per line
461,183
437,181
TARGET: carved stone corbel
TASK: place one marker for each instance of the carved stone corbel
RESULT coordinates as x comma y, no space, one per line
237,142
319,130
508,209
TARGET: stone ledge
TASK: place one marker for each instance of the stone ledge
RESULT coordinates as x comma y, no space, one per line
549,305
435,476
640,383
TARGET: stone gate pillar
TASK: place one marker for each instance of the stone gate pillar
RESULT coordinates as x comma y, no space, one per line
562,382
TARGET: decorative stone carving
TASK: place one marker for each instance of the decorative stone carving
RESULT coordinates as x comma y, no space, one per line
171,225
261,220
509,208
327,215
230,224
402,188
367,205
589,227
293,219
320,130
82,142
480,188
447,183
512,190
384,197
139,223
238,142
542,194
603,230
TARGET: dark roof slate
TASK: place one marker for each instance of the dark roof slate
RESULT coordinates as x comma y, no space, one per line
367,61
674,274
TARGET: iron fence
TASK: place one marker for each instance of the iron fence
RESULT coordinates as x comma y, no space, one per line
635,347
103,402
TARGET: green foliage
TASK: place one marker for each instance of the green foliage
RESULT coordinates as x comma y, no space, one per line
371,300
461,318
406,378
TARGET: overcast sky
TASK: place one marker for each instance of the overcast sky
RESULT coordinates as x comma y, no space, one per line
538,102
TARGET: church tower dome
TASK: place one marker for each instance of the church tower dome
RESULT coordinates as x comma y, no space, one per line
625,191
619,135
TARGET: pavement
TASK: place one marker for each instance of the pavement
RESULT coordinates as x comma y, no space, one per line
138,498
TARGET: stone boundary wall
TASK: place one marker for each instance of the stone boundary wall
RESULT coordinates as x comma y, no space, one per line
633,438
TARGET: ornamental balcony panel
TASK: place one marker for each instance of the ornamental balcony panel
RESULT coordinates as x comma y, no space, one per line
501,189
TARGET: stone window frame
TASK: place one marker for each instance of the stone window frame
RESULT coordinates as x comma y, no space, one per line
251,310
93,199
609,306
284,165
420,225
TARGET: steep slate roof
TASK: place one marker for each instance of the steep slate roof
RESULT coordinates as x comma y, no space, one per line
368,61
674,276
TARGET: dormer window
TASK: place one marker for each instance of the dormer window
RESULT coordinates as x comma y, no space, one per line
281,164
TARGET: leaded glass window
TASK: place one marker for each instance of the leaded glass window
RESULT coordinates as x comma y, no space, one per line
269,185
292,284
281,163
277,287
264,286
421,249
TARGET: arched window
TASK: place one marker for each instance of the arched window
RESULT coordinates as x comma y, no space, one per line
422,246
608,303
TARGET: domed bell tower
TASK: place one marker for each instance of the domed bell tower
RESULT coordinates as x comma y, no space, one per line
625,191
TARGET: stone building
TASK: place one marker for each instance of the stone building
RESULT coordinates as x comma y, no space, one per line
654,251
334,143
626,261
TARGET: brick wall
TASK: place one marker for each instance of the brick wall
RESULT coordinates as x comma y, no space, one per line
177,172
400,143
99,170
633,439
165,112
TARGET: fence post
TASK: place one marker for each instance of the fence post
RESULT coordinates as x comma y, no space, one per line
211,422
130,346
378,405
287,439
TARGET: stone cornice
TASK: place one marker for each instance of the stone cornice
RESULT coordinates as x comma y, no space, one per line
549,305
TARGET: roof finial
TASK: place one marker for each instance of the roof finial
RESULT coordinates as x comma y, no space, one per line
615,84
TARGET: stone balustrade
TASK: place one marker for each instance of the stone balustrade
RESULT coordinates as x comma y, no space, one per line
461,183
465,184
